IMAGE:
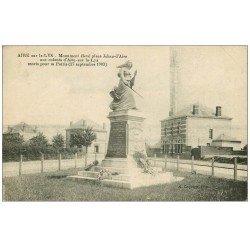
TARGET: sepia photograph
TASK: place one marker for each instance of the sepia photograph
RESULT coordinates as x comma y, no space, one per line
124,123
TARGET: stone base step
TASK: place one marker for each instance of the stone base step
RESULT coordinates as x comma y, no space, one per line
88,174
117,183
92,174
121,177
126,181
149,180
106,182
112,169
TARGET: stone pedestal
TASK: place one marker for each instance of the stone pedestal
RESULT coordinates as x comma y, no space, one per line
126,137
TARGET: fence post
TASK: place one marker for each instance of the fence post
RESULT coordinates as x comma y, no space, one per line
95,156
235,168
75,160
155,160
42,159
20,165
192,164
166,163
212,167
86,156
59,161
178,162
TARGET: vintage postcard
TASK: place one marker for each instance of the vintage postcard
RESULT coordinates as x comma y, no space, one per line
124,123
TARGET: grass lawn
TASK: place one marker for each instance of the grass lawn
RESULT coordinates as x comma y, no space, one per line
55,187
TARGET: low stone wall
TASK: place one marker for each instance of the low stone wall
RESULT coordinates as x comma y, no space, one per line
210,150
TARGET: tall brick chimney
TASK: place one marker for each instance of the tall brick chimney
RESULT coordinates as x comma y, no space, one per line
218,111
175,80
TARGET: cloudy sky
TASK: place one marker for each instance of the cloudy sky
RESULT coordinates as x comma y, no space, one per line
213,76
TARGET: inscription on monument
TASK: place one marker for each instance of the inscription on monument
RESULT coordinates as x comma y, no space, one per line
136,138
117,140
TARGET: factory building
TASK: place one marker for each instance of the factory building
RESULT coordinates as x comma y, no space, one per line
195,125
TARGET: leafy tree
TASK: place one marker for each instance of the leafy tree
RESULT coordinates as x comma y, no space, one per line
39,140
10,138
83,137
58,142
39,143
245,148
12,146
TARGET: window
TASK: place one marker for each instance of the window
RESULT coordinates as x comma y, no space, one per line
170,148
176,148
210,133
172,129
165,147
179,148
96,149
179,129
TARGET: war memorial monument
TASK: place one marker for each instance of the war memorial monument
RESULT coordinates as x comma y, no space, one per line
125,164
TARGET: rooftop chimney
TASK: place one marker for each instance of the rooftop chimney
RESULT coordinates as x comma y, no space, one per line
83,123
71,123
218,111
195,109
104,126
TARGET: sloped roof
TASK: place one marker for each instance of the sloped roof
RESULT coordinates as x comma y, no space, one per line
22,127
223,137
84,123
204,111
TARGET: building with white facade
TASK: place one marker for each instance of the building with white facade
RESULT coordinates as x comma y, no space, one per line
195,125
99,145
